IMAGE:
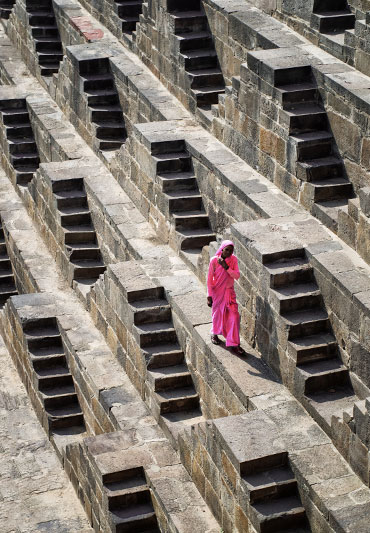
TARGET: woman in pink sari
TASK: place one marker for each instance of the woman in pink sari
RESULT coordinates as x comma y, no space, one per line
223,270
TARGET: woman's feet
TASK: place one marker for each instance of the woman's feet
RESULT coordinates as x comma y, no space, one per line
238,350
215,340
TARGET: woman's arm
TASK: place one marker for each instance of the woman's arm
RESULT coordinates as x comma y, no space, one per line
210,278
233,269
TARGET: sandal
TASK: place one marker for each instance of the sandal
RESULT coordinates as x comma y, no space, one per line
215,340
238,350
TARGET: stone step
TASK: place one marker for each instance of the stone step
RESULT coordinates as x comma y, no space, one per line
51,44
19,131
55,386
292,75
323,375
306,322
194,40
97,81
170,377
328,211
105,112
41,327
324,405
172,162
151,311
79,234
65,403
333,21
304,118
49,30
6,292
313,347
47,364
195,239
330,5
168,147
286,271
15,117
183,5
87,269
5,263
190,220
208,95
296,296
43,351
189,21
206,77
281,514
113,132
124,499
41,18
139,518
163,355
22,146
200,59
320,169
156,333
332,189
6,8
273,483
178,181
71,198
102,97
313,145
297,93
263,463
129,9
78,252
13,105
151,293
25,160
75,219
186,201
129,24
177,400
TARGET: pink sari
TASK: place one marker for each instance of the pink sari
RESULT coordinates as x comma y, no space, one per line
220,286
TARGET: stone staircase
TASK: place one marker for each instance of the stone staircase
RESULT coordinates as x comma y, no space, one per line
6,7
7,284
79,234
184,204
46,36
129,12
322,381
326,186
104,106
332,16
23,153
129,502
197,50
275,504
52,377
169,381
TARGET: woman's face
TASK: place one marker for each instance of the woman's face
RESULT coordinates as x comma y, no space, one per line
227,251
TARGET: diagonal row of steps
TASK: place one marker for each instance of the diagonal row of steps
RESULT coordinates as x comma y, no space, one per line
104,105
129,502
6,7
317,162
46,36
7,284
23,153
332,16
79,233
129,12
321,377
275,504
52,377
181,193
198,51
168,376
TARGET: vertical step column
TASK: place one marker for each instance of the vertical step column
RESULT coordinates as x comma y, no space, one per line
129,12
79,233
7,283
23,153
332,16
45,34
6,7
104,107
52,377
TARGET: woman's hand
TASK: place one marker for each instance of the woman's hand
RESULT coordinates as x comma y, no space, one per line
223,263
209,301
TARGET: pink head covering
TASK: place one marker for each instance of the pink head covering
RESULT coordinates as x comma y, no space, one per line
223,245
